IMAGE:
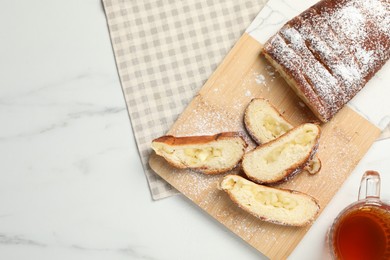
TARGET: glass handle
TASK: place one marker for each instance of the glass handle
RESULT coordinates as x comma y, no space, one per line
370,185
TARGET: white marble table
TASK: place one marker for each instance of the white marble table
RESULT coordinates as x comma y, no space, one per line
71,182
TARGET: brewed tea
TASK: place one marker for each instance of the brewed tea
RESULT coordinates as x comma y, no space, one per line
363,233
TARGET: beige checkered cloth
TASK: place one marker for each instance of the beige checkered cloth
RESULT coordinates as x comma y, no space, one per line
165,51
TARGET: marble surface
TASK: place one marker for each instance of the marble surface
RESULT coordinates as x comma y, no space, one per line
71,181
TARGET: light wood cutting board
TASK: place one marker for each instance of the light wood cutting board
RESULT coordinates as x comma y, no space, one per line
244,74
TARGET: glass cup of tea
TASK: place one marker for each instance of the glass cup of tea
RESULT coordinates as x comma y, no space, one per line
362,230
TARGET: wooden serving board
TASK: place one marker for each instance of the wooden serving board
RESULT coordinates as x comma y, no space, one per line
245,74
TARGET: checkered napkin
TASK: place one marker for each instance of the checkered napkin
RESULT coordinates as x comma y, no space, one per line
165,51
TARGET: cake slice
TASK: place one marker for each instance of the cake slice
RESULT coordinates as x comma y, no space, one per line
212,154
282,158
264,123
278,206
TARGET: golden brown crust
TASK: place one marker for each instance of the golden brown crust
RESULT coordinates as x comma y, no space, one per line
298,83
272,220
239,204
329,52
293,170
247,121
199,139
183,141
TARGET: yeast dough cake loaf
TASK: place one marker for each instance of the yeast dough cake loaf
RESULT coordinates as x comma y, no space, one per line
329,52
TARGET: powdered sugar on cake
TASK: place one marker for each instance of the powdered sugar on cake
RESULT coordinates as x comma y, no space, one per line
334,48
